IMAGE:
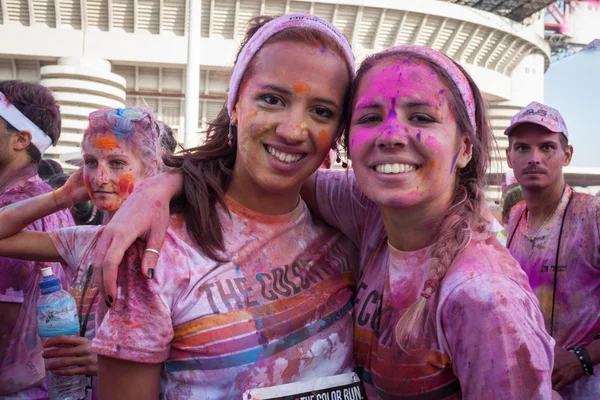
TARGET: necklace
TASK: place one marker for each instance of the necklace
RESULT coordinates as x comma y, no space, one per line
534,237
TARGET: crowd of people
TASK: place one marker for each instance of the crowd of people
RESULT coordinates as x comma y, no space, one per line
241,264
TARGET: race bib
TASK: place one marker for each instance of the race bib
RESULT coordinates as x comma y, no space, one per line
338,387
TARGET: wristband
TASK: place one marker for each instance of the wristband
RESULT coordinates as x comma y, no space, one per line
584,359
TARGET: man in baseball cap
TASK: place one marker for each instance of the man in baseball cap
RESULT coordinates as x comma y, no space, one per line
554,233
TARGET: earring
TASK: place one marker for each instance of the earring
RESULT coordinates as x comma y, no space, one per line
229,136
338,157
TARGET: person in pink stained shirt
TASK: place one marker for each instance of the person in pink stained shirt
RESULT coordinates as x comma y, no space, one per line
120,147
249,290
442,310
555,235
29,123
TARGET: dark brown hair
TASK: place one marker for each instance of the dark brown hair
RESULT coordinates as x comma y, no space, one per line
207,169
465,217
38,104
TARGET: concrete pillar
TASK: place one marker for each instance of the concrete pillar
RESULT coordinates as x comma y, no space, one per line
192,76
80,85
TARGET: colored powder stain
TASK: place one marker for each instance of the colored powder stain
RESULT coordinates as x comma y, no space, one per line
432,142
126,184
419,135
323,139
302,88
88,186
392,114
454,161
107,143
157,203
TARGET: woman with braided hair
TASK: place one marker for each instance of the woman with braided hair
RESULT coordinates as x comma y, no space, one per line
442,310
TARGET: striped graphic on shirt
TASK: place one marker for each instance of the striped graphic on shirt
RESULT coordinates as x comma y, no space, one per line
415,377
262,331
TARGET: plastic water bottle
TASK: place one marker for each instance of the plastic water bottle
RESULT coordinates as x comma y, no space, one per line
57,315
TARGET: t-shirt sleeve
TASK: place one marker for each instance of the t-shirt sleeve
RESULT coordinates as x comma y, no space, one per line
13,272
72,242
495,335
138,327
341,202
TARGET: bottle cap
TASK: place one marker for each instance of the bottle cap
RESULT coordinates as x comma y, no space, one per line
46,272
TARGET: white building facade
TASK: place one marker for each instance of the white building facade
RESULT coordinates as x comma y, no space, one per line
110,53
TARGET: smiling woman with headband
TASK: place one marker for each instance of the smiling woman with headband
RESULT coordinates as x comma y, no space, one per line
249,290
442,310
120,147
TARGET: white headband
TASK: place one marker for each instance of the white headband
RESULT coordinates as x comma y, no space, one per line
13,116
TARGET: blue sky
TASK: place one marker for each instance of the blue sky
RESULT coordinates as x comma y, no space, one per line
572,85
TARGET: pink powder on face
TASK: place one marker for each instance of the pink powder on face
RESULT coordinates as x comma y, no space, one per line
432,142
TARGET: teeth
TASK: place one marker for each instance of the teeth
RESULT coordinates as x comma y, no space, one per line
395,168
284,157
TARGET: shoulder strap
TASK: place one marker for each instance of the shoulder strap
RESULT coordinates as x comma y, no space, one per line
560,233
514,230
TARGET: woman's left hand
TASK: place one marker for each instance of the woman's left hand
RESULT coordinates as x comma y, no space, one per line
75,356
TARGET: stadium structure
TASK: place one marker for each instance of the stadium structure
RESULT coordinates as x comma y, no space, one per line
111,53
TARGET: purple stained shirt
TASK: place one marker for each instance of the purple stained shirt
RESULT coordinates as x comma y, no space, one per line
577,302
21,365
487,339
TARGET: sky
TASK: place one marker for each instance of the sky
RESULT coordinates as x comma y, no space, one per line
572,86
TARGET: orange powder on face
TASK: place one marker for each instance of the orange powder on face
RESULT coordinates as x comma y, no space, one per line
323,139
107,143
302,88
126,185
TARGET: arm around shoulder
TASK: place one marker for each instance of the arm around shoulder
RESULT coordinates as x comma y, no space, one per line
340,201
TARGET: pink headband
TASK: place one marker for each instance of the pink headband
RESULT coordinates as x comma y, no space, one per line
459,79
267,31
